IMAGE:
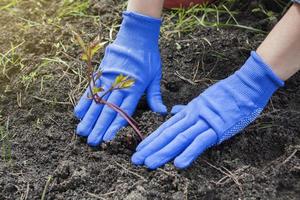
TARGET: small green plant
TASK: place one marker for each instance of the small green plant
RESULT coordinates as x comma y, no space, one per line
5,145
73,8
120,82
206,15
270,15
5,5
10,61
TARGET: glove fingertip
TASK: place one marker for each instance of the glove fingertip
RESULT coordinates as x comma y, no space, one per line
92,143
151,164
109,136
144,143
176,109
156,104
160,108
82,130
139,147
78,113
136,159
181,164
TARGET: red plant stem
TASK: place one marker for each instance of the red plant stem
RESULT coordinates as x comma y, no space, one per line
91,79
105,93
119,109
129,119
99,99
112,88
90,68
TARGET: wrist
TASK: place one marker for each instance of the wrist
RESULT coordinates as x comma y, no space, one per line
151,8
138,31
284,63
259,77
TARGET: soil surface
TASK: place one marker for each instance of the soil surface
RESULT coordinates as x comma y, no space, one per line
43,79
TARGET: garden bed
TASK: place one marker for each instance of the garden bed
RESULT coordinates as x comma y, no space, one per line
42,78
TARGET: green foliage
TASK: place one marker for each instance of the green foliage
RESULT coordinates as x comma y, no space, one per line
122,82
89,50
7,4
207,15
268,13
97,89
10,60
73,8
5,144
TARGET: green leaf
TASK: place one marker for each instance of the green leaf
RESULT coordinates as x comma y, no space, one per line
80,41
128,83
122,82
119,79
84,57
97,89
96,48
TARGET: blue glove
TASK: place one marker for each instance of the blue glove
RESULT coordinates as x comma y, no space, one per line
219,113
135,53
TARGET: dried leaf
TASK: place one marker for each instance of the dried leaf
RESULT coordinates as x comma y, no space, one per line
95,41
80,41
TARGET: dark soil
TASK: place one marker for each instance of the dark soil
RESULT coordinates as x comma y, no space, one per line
261,163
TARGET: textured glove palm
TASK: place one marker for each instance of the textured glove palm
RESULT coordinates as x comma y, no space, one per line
134,53
217,114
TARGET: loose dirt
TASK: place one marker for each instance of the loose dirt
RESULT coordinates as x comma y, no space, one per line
38,93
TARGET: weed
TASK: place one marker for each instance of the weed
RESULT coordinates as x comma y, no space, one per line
5,144
10,61
73,8
5,5
206,15
46,187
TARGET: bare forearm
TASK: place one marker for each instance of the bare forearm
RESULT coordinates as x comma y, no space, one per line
281,48
151,8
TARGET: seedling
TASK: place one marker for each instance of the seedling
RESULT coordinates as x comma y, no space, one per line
120,82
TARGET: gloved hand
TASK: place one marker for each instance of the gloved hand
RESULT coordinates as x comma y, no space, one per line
135,53
216,115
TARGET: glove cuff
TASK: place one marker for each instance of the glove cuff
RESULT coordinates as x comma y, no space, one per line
259,76
138,31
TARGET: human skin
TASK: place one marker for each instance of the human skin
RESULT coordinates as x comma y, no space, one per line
281,48
151,8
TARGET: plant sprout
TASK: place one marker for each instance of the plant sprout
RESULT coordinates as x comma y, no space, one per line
120,82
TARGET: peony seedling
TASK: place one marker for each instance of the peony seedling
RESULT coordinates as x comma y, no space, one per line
120,82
